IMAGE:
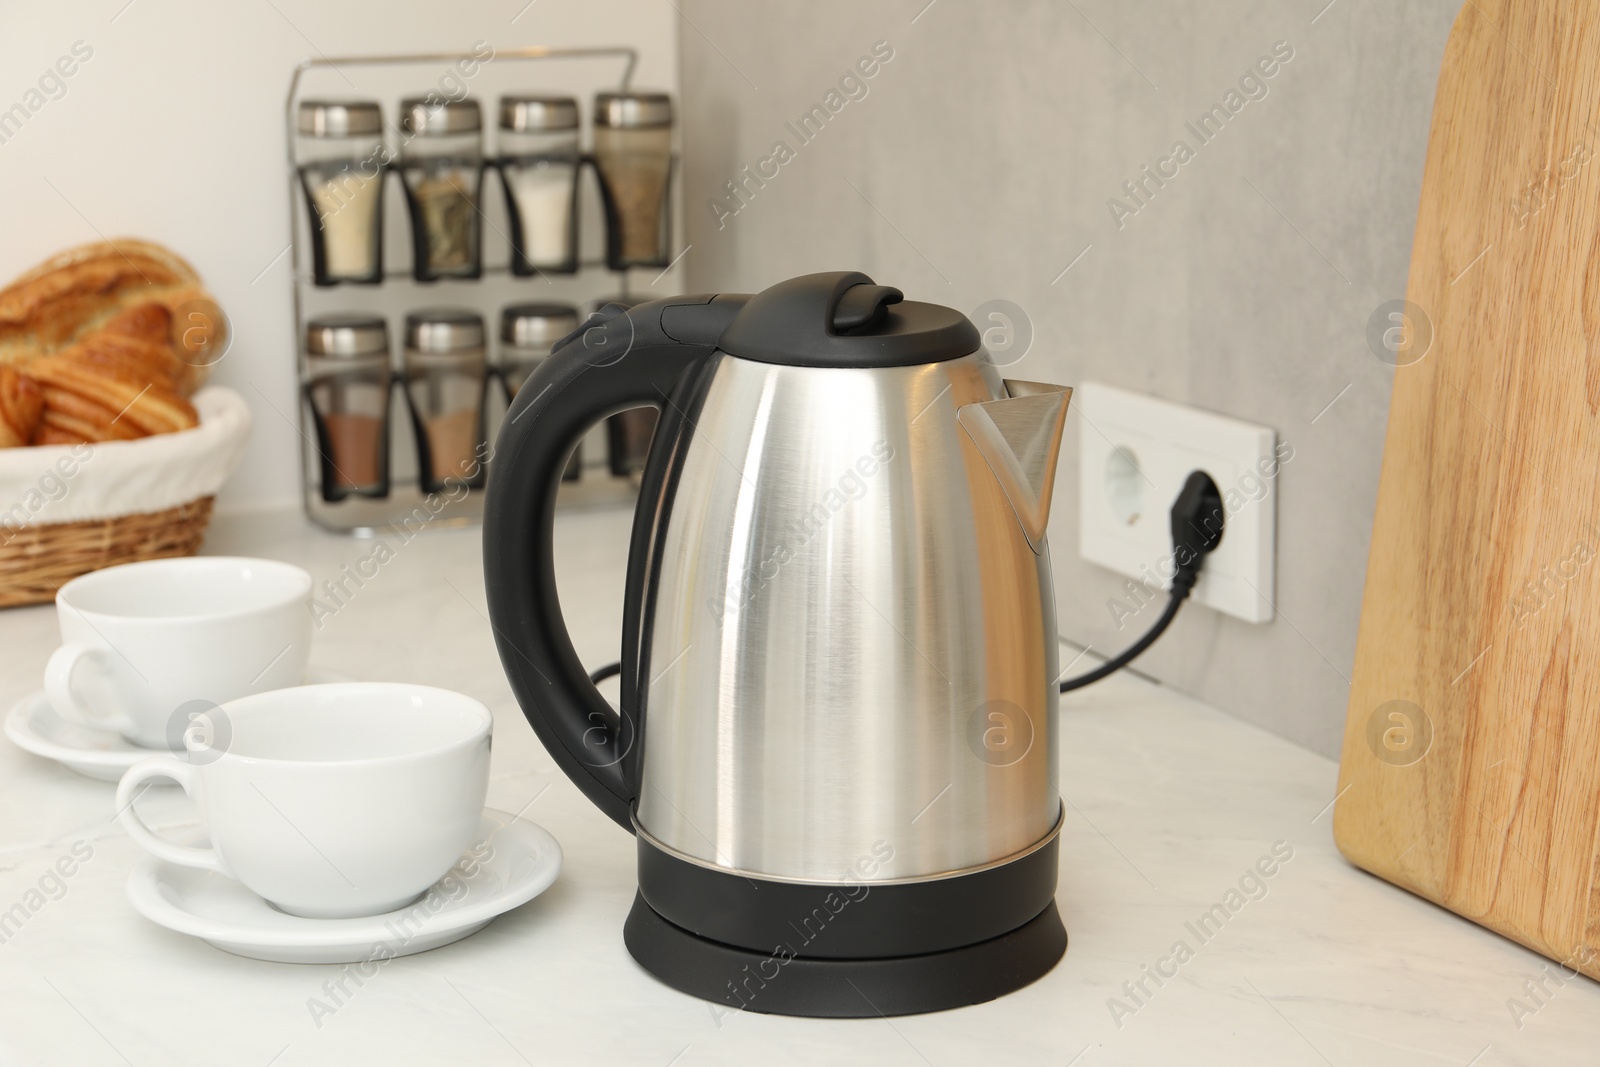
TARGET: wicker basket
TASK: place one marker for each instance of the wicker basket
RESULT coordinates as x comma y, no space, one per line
123,502
38,560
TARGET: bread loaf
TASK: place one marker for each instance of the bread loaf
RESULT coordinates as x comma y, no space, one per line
85,288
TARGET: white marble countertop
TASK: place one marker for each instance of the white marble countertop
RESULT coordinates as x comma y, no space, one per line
1170,804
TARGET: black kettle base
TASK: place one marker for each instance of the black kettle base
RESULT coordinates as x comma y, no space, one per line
780,983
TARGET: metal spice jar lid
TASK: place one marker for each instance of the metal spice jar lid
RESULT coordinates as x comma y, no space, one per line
347,335
425,117
537,325
444,330
338,118
632,109
533,114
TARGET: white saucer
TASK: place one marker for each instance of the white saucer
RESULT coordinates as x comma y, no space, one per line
520,862
34,726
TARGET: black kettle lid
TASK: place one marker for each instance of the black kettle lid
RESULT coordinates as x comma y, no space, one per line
845,319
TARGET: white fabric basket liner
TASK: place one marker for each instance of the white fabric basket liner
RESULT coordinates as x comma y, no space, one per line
116,478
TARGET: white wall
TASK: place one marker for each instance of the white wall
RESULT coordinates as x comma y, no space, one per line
173,130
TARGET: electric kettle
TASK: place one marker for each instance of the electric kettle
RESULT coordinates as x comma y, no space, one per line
836,744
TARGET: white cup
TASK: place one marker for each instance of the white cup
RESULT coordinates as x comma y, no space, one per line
143,640
330,801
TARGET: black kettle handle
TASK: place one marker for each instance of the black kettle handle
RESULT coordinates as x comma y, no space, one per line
621,358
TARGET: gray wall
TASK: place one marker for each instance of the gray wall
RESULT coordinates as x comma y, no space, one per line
982,160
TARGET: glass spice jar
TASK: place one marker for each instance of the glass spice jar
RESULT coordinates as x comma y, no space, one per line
340,153
527,333
633,155
538,163
445,370
441,162
348,379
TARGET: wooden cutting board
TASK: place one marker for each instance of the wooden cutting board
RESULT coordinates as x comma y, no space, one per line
1471,764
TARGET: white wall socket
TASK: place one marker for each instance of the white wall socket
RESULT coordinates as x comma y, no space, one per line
1135,452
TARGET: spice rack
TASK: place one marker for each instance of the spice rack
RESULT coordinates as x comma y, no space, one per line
338,501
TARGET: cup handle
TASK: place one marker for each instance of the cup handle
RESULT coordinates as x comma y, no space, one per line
183,773
58,674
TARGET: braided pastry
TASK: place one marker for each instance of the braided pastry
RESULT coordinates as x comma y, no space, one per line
21,406
106,393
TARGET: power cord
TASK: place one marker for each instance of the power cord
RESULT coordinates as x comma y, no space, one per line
1197,519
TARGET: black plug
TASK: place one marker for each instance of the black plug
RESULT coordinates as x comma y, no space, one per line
1197,520
1197,523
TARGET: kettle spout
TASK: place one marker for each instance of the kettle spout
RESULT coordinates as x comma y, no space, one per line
1020,438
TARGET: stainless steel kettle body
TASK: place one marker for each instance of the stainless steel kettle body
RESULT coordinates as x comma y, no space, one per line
851,642
837,737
